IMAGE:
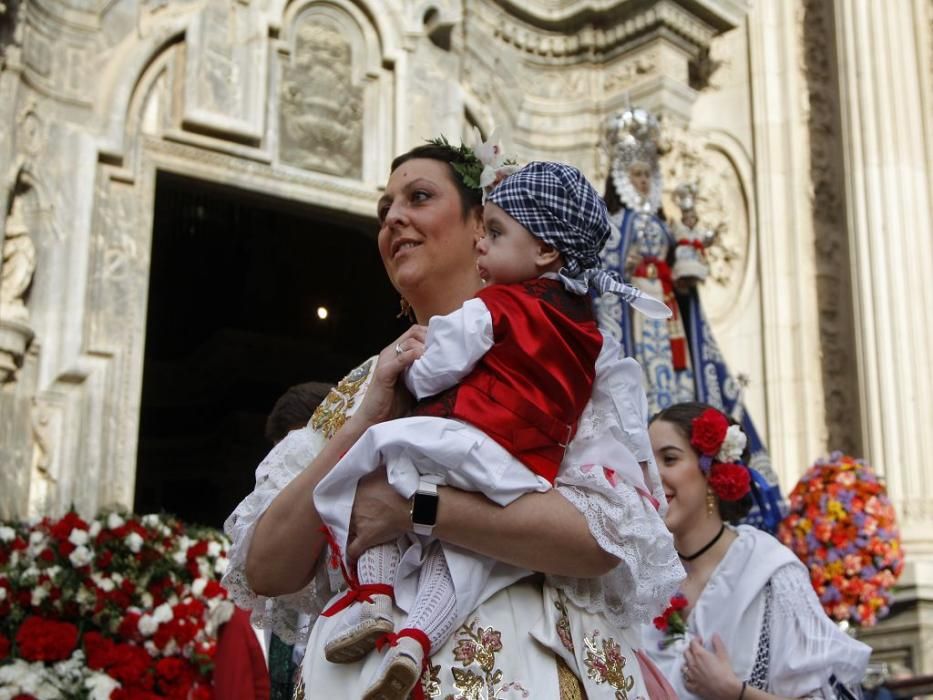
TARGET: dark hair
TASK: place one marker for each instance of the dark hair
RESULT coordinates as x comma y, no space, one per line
294,408
469,198
681,416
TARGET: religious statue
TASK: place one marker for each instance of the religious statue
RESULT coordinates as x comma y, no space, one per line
19,264
679,355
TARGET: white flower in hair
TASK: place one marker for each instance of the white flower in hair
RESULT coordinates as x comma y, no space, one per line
732,446
495,165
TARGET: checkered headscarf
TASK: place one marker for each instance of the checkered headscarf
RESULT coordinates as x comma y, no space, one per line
557,205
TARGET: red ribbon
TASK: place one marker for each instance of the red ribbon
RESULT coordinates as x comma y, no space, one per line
692,243
391,640
359,593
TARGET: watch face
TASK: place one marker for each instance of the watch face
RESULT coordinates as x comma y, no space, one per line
424,509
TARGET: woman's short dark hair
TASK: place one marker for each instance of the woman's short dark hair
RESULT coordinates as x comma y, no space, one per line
681,416
294,408
469,197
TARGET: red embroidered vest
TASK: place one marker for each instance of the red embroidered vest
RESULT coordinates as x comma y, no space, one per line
528,391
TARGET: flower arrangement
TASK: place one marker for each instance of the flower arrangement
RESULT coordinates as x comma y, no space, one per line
119,608
720,446
671,621
842,526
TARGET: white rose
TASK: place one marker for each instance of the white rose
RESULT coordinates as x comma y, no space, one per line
7,534
81,556
39,594
134,541
733,445
151,648
220,566
163,613
52,571
114,521
147,599
117,577
151,520
96,527
78,537
214,549
36,538
106,585
180,556
147,625
100,685
197,588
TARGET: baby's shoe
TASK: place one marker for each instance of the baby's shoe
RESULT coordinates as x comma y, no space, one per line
359,627
399,671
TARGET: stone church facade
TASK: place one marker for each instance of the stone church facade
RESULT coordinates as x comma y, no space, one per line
804,123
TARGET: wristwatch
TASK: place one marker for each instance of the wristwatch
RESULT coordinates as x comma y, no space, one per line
424,508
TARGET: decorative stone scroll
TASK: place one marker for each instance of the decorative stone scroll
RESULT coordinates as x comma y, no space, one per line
321,110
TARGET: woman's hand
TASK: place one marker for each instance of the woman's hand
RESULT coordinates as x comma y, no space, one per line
709,674
386,397
379,514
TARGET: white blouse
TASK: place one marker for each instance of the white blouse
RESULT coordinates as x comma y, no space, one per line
804,647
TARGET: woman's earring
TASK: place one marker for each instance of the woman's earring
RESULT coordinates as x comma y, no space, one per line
710,504
405,310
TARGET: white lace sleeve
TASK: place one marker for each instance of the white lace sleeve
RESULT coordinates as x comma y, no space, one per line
289,616
806,645
626,525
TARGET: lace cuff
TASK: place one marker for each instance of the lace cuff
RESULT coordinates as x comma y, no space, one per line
282,614
627,526
807,645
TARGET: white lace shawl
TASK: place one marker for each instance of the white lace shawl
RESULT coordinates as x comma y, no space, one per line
622,522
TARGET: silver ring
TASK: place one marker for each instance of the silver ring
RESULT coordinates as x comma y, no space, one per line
399,349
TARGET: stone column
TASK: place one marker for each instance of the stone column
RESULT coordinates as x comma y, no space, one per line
790,323
884,73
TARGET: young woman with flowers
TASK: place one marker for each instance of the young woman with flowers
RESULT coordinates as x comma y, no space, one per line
748,625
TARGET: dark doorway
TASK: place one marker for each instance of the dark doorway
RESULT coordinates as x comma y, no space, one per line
235,285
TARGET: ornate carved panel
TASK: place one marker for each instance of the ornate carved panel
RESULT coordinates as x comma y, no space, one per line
225,81
320,107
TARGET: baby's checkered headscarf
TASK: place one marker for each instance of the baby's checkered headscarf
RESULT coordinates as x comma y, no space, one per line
557,205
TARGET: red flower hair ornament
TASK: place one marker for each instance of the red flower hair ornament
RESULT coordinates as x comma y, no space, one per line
720,446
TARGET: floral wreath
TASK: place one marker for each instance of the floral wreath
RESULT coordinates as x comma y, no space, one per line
720,446
482,165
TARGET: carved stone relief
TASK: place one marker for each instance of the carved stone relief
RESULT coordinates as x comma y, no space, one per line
833,284
321,109
225,75
18,267
627,73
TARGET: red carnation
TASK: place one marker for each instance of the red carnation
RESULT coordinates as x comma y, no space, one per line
4,647
46,640
709,431
729,482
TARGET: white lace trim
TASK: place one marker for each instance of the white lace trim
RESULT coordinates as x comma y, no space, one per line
812,646
627,526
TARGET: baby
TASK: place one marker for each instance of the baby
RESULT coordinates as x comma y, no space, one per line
500,388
